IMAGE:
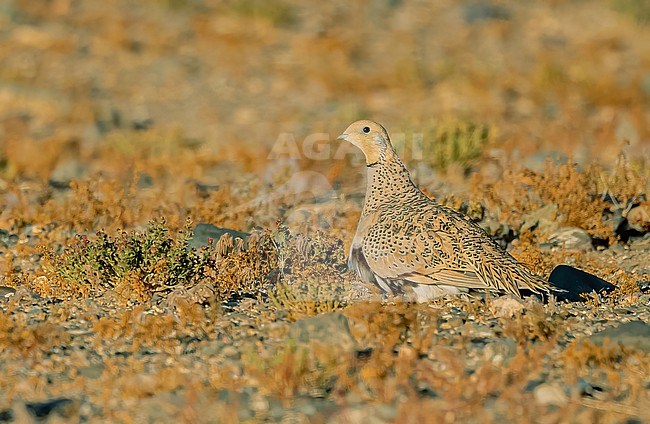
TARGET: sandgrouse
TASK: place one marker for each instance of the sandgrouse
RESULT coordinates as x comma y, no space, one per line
406,243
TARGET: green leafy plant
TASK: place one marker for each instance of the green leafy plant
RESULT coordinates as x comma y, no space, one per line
449,142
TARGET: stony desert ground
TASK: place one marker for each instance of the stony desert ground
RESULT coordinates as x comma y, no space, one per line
176,210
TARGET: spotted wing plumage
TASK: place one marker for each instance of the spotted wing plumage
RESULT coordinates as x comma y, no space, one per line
436,246
406,239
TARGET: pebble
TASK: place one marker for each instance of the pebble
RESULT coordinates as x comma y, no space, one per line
634,334
331,329
483,11
506,306
550,394
230,352
91,371
542,219
64,407
500,351
8,239
6,292
572,238
638,218
452,322
65,172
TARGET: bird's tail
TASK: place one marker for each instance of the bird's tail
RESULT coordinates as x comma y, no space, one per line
567,283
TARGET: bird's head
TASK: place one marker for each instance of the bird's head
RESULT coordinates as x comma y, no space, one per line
371,138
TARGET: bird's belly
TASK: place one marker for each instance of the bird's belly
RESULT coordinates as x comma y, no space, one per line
423,293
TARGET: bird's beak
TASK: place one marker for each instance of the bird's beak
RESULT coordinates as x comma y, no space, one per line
342,137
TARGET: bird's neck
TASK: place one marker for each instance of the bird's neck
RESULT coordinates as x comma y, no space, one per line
389,184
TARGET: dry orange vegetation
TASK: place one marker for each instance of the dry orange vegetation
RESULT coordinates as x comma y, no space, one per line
124,124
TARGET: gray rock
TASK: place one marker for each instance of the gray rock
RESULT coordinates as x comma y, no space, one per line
572,238
616,221
7,416
634,334
500,232
64,407
542,219
638,218
452,322
500,351
214,177
331,329
210,348
6,292
312,407
144,181
230,352
506,306
484,11
550,394
368,413
65,172
203,232
91,371
8,239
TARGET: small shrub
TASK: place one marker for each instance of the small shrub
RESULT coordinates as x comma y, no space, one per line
639,10
533,324
279,13
311,270
455,142
139,264
580,194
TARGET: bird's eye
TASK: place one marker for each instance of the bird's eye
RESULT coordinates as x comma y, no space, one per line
366,130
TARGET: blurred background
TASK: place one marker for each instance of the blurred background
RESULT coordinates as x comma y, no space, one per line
162,93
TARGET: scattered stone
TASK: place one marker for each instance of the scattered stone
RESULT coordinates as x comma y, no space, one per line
91,371
214,176
452,322
481,332
533,384
616,221
331,329
500,232
144,180
315,407
507,306
572,238
64,407
587,389
542,219
500,351
368,413
230,352
484,11
638,218
8,239
634,334
550,394
6,416
6,292
65,172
